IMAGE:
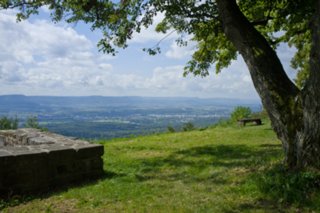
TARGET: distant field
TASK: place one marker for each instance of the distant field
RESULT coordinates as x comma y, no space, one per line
221,169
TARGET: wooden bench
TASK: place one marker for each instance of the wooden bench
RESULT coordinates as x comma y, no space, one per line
243,121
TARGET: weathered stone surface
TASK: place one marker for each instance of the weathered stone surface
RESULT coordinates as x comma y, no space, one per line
32,161
4,153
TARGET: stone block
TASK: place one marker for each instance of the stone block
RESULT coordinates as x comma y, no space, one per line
89,151
35,161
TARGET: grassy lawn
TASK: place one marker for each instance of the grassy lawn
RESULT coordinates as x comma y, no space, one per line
220,169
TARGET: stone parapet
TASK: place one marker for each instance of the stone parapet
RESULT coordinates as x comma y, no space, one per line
35,161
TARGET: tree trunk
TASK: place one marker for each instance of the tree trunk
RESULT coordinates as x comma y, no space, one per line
294,114
309,140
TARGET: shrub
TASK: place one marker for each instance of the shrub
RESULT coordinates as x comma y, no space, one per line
9,123
171,129
188,127
32,122
262,114
240,112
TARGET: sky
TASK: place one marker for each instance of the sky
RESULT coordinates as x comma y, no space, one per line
38,57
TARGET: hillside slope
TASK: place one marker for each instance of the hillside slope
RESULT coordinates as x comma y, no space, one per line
216,170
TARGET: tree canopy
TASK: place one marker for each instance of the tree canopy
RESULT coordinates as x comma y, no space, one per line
277,20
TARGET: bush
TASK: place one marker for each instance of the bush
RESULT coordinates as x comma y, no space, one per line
32,122
188,127
262,114
223,123
8,123
240,112
170,129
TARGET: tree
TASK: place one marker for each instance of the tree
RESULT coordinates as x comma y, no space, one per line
223,29
240,112
8,123
32,122
186,127
170,129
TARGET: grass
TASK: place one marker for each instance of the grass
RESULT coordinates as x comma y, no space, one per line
220,169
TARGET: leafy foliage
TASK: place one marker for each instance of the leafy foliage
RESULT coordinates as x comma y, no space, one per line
188,127
32,122
8,123
278,21
171,129
240,112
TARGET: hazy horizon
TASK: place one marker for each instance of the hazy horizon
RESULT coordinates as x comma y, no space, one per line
138,96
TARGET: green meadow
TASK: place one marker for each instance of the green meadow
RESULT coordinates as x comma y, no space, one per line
219,169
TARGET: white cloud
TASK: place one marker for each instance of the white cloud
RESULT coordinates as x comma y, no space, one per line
179,52
150,34
169,81
40,58
233,83
40,55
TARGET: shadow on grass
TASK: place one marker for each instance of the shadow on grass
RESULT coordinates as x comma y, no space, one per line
17,199
270,145
278,188
282,189
185,165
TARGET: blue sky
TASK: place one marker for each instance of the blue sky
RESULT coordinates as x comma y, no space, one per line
38,57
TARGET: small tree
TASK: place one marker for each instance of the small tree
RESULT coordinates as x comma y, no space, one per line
32,122
240,112
170,129
8,123
188,127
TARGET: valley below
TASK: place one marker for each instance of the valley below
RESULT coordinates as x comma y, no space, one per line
97,117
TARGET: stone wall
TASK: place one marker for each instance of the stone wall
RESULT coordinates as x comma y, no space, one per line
35,161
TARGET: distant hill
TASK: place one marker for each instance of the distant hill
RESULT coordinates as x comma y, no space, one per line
110,117
21,102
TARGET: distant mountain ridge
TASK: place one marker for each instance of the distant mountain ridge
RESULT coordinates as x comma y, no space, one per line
26,102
